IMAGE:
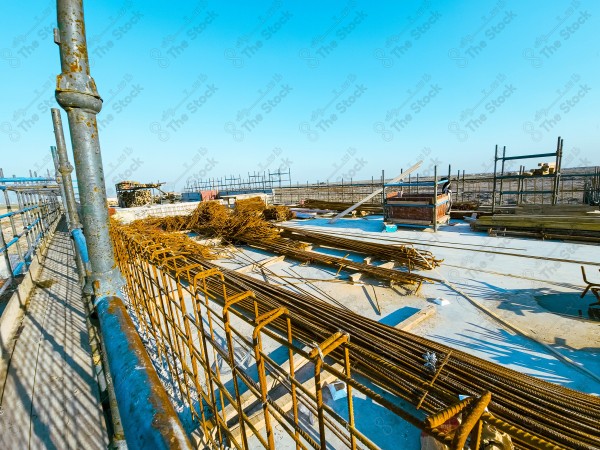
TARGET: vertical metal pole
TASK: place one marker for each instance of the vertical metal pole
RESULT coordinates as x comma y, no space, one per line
557,169
25,219
383,194
502,175
435,199
64,169
60,185
76,93
68,196
6,257
494,186
11,218
457,183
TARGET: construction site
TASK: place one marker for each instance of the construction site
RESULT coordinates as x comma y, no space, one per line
420,311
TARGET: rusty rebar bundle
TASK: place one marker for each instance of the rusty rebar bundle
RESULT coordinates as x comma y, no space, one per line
406,255
246,225
535,413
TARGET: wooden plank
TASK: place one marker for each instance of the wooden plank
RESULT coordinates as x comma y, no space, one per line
412,321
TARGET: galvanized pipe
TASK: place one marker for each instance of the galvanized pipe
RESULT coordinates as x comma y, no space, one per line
136,384
65,169
60,185
76,93
4,250
12,219
4,179
148,418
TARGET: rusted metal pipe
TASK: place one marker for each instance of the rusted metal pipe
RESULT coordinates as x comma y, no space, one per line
76,93
149,419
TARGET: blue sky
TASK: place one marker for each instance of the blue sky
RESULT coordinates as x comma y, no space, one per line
330,90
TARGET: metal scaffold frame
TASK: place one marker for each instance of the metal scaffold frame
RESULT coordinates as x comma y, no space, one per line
266,182
521,177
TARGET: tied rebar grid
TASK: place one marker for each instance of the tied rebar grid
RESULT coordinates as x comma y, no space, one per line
210,325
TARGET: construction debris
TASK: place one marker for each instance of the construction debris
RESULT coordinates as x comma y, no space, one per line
373,208
278,213
132,193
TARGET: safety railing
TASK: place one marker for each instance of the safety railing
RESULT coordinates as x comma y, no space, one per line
31,209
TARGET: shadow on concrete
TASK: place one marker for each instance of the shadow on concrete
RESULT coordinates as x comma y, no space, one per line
398,316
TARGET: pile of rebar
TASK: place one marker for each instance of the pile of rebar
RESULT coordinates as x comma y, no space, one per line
289,248
278,213
536,414
246,225
404,255
130,199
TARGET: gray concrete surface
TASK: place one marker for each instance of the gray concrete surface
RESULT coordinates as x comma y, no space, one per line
49,397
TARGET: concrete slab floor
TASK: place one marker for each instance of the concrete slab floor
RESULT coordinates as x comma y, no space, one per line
50,395
511,277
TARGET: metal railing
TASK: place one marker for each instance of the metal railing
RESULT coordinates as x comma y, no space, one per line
28,226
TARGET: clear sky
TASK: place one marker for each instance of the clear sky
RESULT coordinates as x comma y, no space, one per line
328,89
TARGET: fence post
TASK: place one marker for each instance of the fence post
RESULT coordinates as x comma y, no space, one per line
149,420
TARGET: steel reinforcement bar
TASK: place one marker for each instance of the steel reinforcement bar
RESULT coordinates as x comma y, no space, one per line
212,328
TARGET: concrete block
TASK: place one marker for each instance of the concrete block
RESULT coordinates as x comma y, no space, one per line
368,260
355,277
337,389
441,301
388,265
